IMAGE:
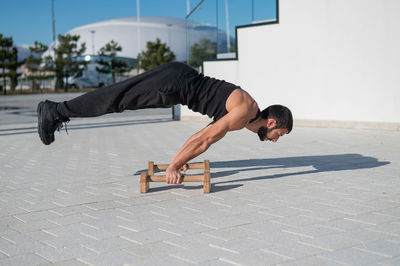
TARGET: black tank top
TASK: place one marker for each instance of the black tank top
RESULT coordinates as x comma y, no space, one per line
208,96
200,93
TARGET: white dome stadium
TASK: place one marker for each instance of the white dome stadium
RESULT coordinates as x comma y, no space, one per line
124,31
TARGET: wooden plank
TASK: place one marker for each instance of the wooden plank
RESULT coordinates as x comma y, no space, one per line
186,178
149,176
207,184
144,184
206,166
163,167
151,168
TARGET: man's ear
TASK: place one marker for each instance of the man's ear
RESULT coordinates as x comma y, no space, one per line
271,123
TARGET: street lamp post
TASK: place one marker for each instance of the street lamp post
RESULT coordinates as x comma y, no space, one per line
53,24
138,31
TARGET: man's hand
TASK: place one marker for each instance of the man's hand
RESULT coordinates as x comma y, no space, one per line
184,168
173,176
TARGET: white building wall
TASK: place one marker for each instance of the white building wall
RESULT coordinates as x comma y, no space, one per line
124,31
330,61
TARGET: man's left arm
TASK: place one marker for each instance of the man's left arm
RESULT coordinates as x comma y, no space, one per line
201,141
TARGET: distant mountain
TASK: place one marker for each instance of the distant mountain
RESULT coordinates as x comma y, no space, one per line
24,52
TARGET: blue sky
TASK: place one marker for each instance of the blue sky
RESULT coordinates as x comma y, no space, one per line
30,20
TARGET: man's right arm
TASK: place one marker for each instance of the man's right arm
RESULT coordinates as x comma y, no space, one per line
197,144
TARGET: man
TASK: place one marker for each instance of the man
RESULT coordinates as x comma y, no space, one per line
174,83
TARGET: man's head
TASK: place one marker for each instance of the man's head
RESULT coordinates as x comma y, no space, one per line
279,121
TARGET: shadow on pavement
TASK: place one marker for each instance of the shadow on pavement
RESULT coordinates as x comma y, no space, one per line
199,187
33,130
321,163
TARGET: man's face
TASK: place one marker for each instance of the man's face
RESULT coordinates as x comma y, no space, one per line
271,133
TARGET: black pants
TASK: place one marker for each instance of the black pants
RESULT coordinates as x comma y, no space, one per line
160,87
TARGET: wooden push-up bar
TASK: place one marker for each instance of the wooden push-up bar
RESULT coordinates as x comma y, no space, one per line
150,176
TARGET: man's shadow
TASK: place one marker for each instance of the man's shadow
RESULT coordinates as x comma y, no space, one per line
320,163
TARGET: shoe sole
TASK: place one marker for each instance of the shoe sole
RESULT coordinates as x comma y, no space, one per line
40,123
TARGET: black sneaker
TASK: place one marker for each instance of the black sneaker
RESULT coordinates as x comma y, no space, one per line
49,120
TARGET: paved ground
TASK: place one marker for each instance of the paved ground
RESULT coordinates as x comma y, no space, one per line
317,197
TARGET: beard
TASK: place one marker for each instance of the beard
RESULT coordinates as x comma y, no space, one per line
263,132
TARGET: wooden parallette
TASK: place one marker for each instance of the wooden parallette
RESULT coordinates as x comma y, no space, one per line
150,176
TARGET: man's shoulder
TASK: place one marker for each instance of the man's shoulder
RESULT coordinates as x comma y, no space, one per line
241,108
240,99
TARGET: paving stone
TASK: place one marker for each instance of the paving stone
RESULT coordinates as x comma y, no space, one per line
221,219
251,217
312,261
392,228
244,245
279,238
333,203
5,230
108,244
151,236
267,227
195,241
65,263
181,227
344,224
312,231
392,261
353,256
373,218
383,247
282,212
391,211
232,233
71,219
20,244
299,220
365,235
258,257
39,215
294,250
201,254
67,252
23,259
55,254
8,248
380,204
166,260
116,257
330,242
152,250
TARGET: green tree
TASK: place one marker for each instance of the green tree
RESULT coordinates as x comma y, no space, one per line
205,49
66,53
109,61
157,54
34,63
5,56
12,66
59,64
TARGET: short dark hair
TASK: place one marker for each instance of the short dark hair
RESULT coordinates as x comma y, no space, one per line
281,114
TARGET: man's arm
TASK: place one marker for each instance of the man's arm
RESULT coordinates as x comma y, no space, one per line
201,141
